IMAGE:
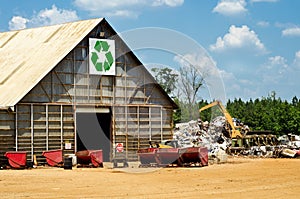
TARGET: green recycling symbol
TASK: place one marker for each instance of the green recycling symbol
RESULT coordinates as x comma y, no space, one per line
102,47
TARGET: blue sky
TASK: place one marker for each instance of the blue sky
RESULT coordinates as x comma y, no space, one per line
255,44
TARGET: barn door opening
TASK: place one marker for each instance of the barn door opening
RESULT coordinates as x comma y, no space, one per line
93,132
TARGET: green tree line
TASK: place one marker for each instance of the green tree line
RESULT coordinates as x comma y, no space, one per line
268,113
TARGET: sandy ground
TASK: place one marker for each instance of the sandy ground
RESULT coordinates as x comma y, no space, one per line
238,178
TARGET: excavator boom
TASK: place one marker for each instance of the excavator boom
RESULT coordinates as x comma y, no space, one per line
209,106
234,132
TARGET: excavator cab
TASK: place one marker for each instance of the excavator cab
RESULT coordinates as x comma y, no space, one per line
164,144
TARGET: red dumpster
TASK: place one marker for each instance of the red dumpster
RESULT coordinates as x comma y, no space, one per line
53,157
16,159
298,153
97,158
167,156
194,155
90,156
147,156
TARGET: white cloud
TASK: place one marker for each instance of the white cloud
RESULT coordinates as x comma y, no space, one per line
171,3
123,13
297,59
206,67
43,18
55,16
297,54
254,1
203,63
279,75
230,7
17,23
274,70
278,61
263,23
291,32
238,38
124,8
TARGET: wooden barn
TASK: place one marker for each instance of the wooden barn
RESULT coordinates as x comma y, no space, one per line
77,86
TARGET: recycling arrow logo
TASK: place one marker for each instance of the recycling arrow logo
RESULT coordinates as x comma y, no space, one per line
102,56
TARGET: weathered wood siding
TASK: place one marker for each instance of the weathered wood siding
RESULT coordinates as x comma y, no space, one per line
45,118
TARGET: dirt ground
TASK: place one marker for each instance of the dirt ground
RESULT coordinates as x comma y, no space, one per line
238,178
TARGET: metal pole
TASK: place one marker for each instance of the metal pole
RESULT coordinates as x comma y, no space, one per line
125,66
161,124
150,130
47,128
16,126
113,131
74,104
31,124
126,122
75,130
61,126
138,125
126,118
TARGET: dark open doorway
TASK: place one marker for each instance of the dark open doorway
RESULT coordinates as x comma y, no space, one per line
93,132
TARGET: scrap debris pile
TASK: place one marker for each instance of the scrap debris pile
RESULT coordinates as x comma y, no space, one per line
289,146
209,135
190,134
214,136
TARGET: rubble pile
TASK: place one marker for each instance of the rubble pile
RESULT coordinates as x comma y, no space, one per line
290,141
214,137
284,146
288,146
259,151
209,135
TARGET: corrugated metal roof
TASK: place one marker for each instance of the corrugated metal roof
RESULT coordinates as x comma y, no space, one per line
26,56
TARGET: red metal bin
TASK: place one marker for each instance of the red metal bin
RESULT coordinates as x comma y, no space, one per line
167,156
194,155
90,156
16,159
147,156
53,157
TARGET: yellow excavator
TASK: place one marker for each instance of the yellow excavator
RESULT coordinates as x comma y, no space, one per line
164,144
233,131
